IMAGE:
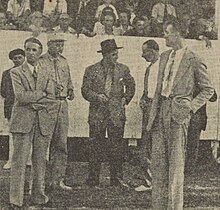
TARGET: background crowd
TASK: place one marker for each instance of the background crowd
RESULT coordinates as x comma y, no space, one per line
111,17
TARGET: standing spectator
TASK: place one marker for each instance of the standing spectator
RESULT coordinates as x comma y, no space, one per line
32,123
18,57
54,7
64,24
19,7
83,14
180,71
107,3
151,54
109,87
162,12
106,24
124,22
57,65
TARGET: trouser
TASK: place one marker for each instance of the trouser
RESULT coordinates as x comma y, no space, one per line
22,145
58,146
115,152
168,154
192,149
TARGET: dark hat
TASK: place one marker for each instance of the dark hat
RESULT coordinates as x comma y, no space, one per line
108,46
151,44
16,52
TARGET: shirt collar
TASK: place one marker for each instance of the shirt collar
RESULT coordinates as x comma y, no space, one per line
32,67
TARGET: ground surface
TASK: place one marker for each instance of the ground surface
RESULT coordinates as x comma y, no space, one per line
202,190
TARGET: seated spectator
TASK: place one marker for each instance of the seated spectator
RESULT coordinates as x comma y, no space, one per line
131,6
36,24
206,24
107,3
106,24
83,14
162,12
19,8
52,7
64,24
124,22
141,27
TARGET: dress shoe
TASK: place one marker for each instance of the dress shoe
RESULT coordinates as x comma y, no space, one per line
7,166
59,186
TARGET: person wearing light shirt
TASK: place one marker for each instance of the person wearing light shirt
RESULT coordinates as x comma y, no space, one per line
107,3
54,6
18,7
150,50
158,10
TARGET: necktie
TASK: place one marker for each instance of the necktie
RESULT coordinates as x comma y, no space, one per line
35,74
108,83
165,16
57,76
169,77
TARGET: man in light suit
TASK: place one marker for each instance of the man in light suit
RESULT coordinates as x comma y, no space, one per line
109,87
32,123
179,71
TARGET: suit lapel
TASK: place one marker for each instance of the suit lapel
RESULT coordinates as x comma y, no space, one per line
183,67
27,73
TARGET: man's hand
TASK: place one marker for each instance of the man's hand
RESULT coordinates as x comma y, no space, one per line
70,95
102,98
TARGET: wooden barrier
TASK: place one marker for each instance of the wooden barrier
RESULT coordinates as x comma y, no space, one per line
81,52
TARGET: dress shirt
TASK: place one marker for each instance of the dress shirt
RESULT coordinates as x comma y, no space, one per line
50,5
177,59
16,9
101,7
158,11
152,79
32,68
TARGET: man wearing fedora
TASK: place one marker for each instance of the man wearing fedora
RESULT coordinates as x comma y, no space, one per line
109,87
55,63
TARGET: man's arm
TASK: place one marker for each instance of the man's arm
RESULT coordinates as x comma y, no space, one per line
21,94
206,88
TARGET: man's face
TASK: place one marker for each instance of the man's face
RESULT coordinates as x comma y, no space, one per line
123,17
171,36
18,60
112,57
32,52
148,54
55,47
109,21
64,22
139,26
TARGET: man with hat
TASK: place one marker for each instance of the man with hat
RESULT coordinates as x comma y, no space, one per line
109,87
64,24
55,63
17,56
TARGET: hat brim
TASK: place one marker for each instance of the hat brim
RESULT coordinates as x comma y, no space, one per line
117,48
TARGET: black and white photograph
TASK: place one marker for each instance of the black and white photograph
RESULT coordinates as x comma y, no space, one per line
109,104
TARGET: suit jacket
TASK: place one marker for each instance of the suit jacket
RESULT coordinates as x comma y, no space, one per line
191,72
30,104
123,86
7,93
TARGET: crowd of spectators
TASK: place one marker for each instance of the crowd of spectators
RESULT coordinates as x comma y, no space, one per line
111,17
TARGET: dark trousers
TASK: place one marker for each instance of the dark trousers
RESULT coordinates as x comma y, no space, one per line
112,147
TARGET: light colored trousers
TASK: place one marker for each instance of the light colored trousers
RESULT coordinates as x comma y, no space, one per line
22,146
168,157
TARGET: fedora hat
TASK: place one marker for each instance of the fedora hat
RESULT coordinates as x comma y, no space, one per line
108,46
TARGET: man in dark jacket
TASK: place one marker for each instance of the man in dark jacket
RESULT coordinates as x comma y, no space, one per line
17,56
109,87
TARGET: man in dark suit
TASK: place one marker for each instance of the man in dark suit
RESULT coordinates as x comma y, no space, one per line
17,56
32,124
108,86
180,71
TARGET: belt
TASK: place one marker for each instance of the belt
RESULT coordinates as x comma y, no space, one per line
61,98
